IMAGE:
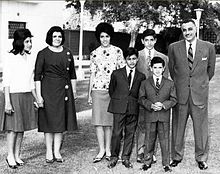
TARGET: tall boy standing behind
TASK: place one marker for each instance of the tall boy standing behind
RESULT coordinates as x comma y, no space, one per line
157,95
149,40
123,90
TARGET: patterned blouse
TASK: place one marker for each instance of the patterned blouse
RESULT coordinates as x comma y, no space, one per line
103,62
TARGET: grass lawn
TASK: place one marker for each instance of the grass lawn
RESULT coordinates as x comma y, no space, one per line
80,147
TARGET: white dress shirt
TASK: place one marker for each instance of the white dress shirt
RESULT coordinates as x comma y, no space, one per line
18,72
132,74
151,52
155,79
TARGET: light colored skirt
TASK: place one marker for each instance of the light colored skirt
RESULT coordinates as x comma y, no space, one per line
24,117
100,102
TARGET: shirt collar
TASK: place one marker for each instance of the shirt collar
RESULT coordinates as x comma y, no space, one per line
193,43
160,78
128,69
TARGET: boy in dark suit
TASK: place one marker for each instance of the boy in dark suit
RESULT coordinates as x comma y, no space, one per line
157,95
123,90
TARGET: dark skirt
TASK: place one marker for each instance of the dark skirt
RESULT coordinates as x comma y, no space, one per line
24,117
100,102
58,114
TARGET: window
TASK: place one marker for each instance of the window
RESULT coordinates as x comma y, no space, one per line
12,26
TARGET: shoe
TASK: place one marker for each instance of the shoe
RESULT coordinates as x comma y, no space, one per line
140,158
108,158
154,160
202,165
112,163
49,161
145,167
59,160
98,159
174,163
19,164
167,169
127,163
11,166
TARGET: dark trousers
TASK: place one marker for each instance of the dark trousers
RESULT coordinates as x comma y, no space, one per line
127,123
162,129
199,115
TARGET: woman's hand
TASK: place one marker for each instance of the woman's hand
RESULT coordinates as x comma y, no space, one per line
89,100
8,108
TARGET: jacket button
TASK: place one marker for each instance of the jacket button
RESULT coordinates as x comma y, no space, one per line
66,86
67,68
66,98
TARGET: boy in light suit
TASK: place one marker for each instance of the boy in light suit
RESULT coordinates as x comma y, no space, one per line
157,95
123,90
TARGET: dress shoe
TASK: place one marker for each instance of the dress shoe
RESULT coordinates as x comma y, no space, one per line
112,163
108,158
59,160
202,165
19,164
49,161
140,158
174,163
154,160
11,166
98,159
167,169
127,163
145,167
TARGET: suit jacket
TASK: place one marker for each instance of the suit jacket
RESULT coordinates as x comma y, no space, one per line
149,95
195,81
143,63
124,100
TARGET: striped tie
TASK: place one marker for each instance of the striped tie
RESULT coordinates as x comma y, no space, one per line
157,84
190,57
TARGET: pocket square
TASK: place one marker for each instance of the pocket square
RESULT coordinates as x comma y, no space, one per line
204,58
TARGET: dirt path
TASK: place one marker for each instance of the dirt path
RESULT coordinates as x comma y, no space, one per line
81,146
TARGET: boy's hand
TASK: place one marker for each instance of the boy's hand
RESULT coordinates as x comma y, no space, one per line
157,106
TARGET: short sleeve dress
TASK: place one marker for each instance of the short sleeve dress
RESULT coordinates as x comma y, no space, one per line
55,71
103,62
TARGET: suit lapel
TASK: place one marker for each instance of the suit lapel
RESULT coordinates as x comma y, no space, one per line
124,73
151,79
198,54
182,50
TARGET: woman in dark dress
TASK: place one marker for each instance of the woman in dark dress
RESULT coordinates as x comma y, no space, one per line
55,81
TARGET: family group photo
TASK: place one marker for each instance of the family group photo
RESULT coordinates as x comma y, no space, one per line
109,87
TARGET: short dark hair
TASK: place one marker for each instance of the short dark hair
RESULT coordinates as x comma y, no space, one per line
188,20
104,27
157,60
19,36
129,52
149,32
49,37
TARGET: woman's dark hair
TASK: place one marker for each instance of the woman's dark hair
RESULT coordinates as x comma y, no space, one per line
129,52
49,37
104,27
18,44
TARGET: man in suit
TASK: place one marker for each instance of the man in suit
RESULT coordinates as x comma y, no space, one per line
123,90
148,40
157,95
191,66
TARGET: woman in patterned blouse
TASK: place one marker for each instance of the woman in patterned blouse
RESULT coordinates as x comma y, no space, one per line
104,60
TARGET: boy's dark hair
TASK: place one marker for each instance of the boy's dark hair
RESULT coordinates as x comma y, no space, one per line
19,36
104,27
49,37
188,20
157,60
129,52
149,32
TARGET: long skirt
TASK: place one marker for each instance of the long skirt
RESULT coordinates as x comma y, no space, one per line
24,117
100,102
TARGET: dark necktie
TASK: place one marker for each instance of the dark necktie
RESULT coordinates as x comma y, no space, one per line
157,84
190,56
129,77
